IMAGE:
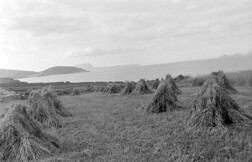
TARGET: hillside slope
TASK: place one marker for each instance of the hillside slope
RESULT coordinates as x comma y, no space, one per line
90,67
58,70
6,73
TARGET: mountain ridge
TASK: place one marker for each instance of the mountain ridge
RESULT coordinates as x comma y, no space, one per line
90,67
226,62
56,70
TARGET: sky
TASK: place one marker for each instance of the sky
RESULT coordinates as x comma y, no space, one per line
38,34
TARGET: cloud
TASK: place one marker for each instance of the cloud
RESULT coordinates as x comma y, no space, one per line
41,25
112,27
93,52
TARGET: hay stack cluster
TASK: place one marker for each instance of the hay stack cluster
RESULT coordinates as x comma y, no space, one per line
224,82
41,112
163,100
111,88
21,136
141,88
21,139
129,87
213,107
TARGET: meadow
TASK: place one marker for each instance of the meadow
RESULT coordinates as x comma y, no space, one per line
112,127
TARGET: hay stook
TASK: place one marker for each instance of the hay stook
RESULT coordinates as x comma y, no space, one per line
111,88
213,107
21,139
155,84
41,112
51,98
224,82
99,89
129,87
141,88
164,100
173,86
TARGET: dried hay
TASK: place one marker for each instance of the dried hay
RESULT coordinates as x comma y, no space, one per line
168,76
99,89
51,98
41,112
21,139
129,87
75,92
173,86
111,88
141,88
224,82
155,84
164,100
213,107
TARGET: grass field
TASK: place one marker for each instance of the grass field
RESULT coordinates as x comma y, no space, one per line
113,128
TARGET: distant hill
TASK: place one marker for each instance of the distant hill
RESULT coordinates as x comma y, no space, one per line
8,81
90,67
5,73
58,70
228,64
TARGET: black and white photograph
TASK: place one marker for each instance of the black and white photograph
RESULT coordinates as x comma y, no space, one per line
125,80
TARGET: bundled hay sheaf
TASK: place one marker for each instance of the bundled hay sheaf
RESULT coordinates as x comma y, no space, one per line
111,88
99,89
129,87
173,86
224,82
163,100
155,84
141,88
213,107
75,92
22,140
51,98
41,112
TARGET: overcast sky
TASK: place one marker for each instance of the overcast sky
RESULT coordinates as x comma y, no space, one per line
37,34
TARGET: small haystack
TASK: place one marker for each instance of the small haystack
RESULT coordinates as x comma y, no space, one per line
173,86
129,87
163,100
21,139
111,88
141,88
41,112
214,107
99,89
155,84
75,92
51,98
224,82
168,76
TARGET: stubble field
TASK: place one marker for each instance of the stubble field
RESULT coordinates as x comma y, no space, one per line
113,128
